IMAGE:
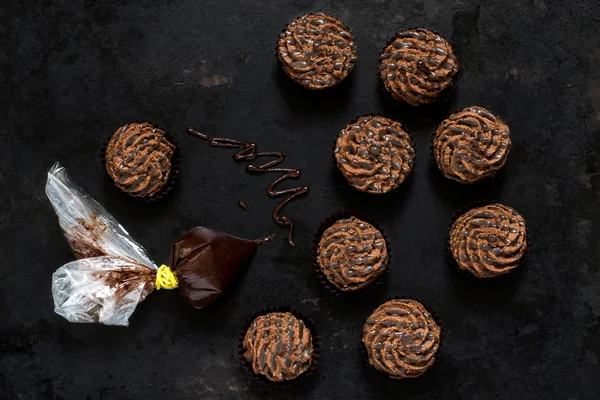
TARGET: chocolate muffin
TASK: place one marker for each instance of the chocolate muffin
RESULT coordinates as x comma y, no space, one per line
138,158
488,241
374,154
352,254
401,338
317,51
279,346
471,145
417,66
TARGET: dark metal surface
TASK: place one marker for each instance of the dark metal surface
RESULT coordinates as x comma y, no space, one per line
72,72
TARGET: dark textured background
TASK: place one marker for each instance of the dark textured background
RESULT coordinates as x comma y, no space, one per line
73,71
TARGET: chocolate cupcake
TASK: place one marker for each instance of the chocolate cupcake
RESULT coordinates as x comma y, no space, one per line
352,254
471,145
374,154
417,66
317,51
401,338
278,346
139,159
488,241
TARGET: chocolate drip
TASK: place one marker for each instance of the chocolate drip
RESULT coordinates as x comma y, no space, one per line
249,153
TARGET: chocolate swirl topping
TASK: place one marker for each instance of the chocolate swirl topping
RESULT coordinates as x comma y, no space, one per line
374,154
471,144
249,153
279,346
317,51
488,241
138,159
417,66
352,254
401,338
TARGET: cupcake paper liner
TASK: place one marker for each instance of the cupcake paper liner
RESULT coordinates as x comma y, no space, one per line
438,353
316,342
450,256
433,161
412,143
167,187
283,31
329,221
443,96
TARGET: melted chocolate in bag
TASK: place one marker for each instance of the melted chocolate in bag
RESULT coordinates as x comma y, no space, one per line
207,262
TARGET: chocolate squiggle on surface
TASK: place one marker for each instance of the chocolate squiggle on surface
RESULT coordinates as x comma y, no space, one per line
317,51
471,145
417,66
401,338
488,241
279,346
248,153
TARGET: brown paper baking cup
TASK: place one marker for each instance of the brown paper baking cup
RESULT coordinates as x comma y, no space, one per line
167,187
283,32
329,221
438,353
450,256
443,96
412,143
316,342
434,161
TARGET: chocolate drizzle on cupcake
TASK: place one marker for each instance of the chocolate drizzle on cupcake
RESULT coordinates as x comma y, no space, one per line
488,241
352,254
417,66
317,51
401,338
471,145
279,346
374,154
138,159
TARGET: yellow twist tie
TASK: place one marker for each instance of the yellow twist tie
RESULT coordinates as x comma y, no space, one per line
165,278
